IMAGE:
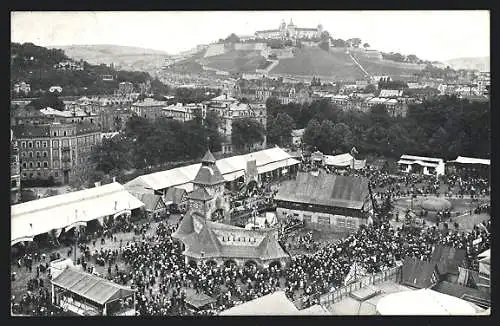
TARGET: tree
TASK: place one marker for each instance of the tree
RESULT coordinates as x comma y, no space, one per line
324,45
246,132
342,139
112,154
279,129
339,43
366,45
370,88
312,133
326,135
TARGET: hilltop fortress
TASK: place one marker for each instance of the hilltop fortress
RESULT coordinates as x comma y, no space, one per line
290,31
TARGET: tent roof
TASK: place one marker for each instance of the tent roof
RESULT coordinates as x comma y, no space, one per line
423,302
418,162
92,287
63,210
339,160
272,304
150,201
421,158
325,189
470,160
208,158
231,168
459,291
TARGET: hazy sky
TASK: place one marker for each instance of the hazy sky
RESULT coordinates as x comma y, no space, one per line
431,35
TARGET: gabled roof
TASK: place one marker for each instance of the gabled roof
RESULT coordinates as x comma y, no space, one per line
448,259
419,273
152,202
89,286
175,195
200,194
325,189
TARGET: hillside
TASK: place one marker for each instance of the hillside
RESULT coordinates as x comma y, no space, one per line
123,57
236,61
35,65
476,63
387,67
317,62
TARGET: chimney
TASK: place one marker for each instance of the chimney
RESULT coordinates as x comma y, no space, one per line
114,179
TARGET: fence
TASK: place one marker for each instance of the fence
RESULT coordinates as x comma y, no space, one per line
339,294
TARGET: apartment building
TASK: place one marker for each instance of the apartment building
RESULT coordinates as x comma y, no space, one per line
55,152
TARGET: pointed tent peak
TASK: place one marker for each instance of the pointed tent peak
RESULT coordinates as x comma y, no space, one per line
208,158
291,22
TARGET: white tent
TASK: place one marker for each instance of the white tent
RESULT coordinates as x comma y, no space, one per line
423,302
40,216
272,304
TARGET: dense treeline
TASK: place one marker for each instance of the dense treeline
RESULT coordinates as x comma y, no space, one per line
443,127
150,143
35,65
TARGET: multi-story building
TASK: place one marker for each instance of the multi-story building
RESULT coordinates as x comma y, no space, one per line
185,112
125,88
48,115
15,173
22,87
54,151
149,108
114,118
70,65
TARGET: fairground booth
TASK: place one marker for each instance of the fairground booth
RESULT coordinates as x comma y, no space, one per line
85,294
469,167
422,165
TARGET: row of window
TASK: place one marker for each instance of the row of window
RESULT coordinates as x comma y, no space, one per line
38,164
55,143
37,144
39,174
38,154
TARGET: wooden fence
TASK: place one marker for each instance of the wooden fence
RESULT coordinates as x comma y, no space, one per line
337,295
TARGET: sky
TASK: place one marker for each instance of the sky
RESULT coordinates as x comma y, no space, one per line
431,35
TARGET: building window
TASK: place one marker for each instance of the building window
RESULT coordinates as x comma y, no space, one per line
37,144
23,144
31,154
31,165
23,154
64,133
55,143
56,174
13,183
38,164
44,144
44,154
24,165
24,175
30,144
45,164
55,134
38,154
39,174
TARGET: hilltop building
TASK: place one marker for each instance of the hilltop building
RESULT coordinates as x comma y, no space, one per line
290,31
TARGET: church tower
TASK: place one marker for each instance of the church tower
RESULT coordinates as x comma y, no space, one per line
208,194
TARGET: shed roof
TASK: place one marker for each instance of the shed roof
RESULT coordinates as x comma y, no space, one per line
92,287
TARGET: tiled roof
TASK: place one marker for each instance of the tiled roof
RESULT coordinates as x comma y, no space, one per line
31,131
175,195
325,189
